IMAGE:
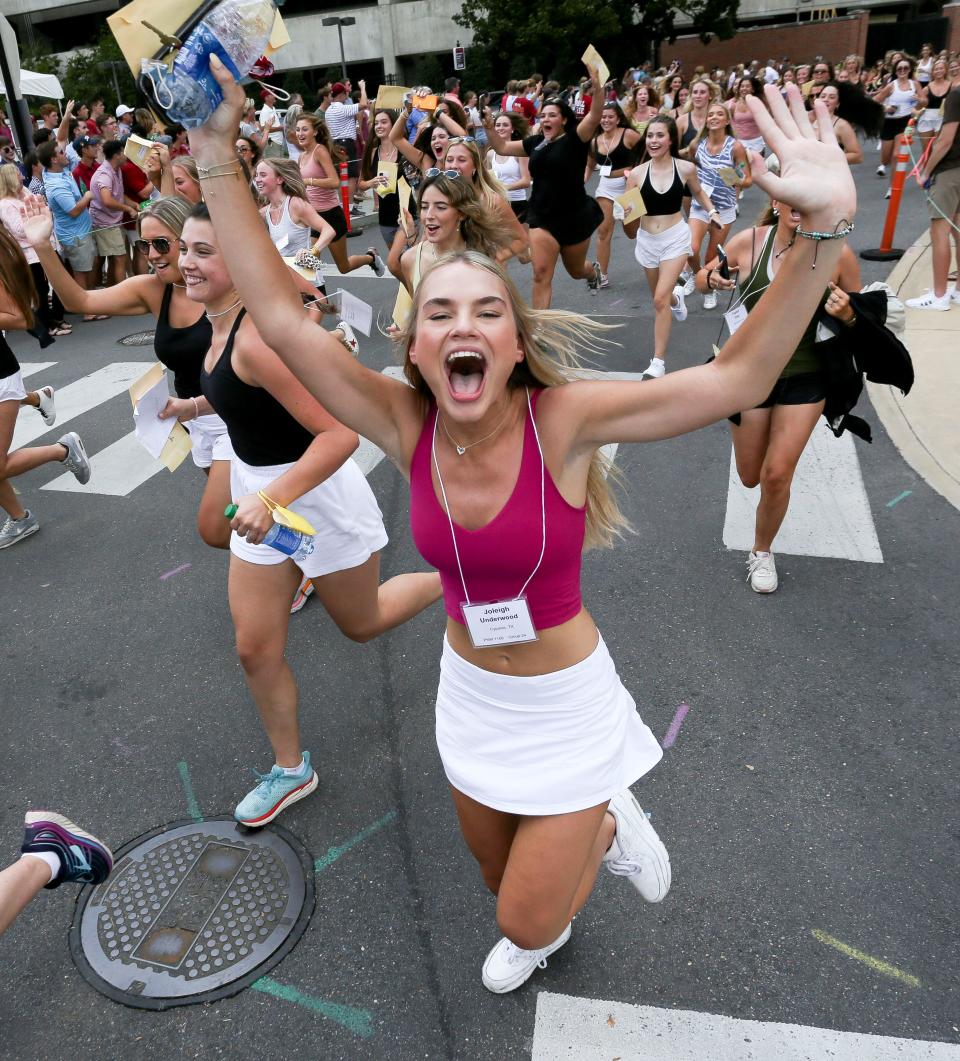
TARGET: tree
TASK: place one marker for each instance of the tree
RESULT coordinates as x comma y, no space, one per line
85,76
554,38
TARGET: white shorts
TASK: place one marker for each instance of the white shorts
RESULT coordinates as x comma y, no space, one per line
930,121
756,144
342,509
655,247
611,187
550,744
209,440
727,217
11,388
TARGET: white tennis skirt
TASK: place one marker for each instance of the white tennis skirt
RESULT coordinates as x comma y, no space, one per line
550,744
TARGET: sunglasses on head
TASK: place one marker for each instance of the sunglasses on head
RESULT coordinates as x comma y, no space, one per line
461,140
453,174
161,245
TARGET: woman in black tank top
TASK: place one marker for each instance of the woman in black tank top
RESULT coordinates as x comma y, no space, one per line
289,449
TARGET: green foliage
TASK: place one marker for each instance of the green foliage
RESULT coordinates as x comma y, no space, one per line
428,70
83,78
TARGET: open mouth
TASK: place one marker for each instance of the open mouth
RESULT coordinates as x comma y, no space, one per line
466,370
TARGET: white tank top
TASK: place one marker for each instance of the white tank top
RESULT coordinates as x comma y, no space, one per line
902,101
288,236
507,171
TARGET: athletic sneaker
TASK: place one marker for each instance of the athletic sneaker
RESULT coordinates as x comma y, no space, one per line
881,170
349,340
76,459
710,300
655,369
47,407
83,858
928,300
15,530
954,292
508,966
637,852
679,310
274,793
377,263
688,282
889,193
594,282
604,280
762,572
304,590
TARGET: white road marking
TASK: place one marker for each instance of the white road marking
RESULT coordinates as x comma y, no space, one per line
78,398
30,368
365,272
829,513
117,470
586,1028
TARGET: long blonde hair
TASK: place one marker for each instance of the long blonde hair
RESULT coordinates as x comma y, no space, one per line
289,175
482,230
551,340
484,180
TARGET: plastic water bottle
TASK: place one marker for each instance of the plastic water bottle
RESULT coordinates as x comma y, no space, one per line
236,31
284,539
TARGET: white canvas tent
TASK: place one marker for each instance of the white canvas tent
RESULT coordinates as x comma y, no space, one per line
32,84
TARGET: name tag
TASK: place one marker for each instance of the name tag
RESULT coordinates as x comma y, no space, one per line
504,622
605,171
735,317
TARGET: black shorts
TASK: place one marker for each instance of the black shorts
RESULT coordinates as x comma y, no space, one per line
806,388
571,228
335,218
519,208
893,127
349,149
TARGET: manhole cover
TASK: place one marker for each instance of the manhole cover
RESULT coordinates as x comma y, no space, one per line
137,339
193,912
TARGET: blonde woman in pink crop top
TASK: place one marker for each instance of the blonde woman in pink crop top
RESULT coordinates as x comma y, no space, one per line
538,737
742,118
322,179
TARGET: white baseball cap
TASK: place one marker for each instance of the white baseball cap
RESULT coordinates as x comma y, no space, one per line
122,110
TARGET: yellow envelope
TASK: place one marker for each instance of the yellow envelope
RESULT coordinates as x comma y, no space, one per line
138,42
728,175
633,205
136,149
402,308
592,58
404,190
176,448
425,103
388,170
390,97
285,517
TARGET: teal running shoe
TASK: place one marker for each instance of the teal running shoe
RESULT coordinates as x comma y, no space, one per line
274,793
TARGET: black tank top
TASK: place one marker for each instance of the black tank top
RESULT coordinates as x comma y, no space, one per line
690,132
182,349
933,100
8,360
261,431
662,204
619,158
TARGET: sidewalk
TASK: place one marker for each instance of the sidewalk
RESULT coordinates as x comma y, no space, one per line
924,425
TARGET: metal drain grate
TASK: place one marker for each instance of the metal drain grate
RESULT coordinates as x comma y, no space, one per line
193,912
137,339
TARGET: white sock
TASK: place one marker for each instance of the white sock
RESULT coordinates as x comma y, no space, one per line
291,771
761,552
45,856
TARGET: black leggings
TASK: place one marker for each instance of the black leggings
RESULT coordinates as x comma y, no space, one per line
47,316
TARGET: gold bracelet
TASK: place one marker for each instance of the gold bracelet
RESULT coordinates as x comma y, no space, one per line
226,167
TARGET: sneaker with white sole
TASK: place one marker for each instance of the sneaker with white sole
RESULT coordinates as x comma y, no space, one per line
679,310
15,530
508,966
376,263
710,300
762,572
594,283
76,459
687,281
928,300
954,292
655,369
274,793
637,852
881,170
47,407
349,340
604,280
304,592
83,857
889,193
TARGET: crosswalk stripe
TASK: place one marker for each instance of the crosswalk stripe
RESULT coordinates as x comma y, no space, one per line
31,368
365,272
829,513
590,1028
116,470
78,398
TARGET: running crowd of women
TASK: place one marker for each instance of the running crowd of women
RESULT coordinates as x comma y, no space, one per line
539,739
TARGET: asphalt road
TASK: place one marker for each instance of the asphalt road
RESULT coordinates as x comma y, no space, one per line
811,788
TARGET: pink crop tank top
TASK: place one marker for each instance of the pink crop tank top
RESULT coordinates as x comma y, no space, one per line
319,198
498,558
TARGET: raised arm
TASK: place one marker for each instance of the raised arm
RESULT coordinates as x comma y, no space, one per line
63,128
398,136
590,122
497,142
452,127
385,411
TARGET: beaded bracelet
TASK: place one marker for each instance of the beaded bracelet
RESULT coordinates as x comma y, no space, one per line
838,233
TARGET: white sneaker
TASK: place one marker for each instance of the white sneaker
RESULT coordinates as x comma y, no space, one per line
762,572
881,170
954,292
655,369
637,852
508,966
47,407
710,300
889,192
688,282
349,340
300,598
928,300
679,311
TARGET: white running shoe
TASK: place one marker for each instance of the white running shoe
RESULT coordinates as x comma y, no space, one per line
604,280
881,170
655,369
508,966
679,311
710,300
349,340
954,292
304,592
928,300
688,282
637,852
47,407
376,262
76,460
889,192
762,572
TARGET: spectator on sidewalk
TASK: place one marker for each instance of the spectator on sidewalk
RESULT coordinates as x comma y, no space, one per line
341,119
88,149
108,128
49,116
108,209
124,121
271,123
96,109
